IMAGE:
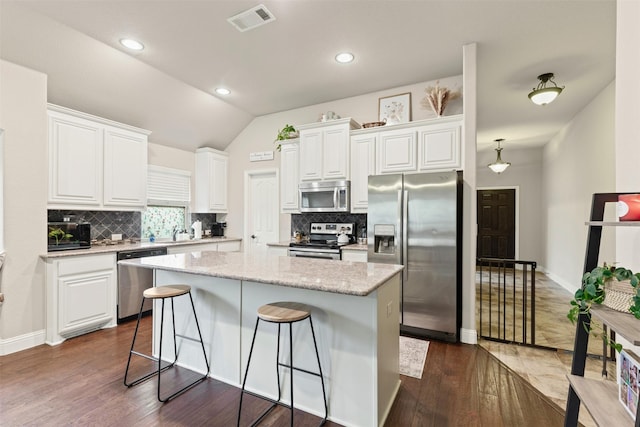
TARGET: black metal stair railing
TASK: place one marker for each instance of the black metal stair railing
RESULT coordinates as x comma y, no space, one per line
506,295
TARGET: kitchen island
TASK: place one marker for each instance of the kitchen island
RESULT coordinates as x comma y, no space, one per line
355,314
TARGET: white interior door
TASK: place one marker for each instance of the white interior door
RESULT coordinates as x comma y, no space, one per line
262,212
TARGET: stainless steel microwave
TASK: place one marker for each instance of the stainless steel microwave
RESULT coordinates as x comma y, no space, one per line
325,196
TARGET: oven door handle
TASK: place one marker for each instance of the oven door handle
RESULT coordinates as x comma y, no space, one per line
316,255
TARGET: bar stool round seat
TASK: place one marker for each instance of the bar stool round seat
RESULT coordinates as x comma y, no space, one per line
162,293
167,291
284,312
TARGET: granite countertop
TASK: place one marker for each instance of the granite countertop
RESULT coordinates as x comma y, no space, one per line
342,277
103,249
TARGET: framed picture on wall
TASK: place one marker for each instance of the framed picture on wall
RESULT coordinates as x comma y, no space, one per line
395,109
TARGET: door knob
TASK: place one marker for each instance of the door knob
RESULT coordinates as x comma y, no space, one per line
253,236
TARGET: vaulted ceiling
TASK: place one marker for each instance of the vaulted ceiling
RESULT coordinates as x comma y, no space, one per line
190,49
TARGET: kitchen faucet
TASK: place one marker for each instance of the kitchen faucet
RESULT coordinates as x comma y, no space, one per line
175,231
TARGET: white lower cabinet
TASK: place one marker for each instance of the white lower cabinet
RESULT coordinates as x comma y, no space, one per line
199,247
231,246
81,295
278,250
354,255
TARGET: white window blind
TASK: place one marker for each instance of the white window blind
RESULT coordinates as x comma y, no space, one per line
168,185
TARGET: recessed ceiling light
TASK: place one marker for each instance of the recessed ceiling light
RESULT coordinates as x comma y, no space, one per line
131,44
344,57
222,91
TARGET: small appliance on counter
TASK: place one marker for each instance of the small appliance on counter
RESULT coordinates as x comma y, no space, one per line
62,236
217,229
197,229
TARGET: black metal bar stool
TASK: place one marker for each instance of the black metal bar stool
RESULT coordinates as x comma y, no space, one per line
164,292
290,313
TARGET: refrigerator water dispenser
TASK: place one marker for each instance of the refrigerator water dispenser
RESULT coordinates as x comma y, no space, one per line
384,242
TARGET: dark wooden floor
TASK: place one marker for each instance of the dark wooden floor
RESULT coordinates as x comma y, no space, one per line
79,382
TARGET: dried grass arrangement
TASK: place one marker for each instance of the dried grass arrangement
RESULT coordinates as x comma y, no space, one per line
438,97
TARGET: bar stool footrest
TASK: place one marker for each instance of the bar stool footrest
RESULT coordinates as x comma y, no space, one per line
284,365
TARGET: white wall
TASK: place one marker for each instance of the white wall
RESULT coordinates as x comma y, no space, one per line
261,133
23,109
525,173
577,162
627,141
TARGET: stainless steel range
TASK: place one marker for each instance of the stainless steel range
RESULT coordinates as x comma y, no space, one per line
325,240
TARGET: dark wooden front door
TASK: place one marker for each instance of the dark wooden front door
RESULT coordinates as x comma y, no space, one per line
496,224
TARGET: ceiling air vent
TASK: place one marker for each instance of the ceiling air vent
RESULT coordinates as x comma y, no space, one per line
252,18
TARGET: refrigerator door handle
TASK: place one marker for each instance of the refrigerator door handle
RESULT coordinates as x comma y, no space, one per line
405,234
398,233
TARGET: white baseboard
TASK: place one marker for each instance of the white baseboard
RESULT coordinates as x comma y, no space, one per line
468,336
571,287
22,342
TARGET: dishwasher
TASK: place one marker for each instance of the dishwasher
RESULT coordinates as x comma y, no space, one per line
132,281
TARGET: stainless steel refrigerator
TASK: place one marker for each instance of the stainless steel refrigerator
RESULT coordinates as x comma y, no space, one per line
416,220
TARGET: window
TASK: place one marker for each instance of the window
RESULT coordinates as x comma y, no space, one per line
168,197
161,221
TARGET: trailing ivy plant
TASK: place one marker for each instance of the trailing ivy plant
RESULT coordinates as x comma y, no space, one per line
593,292
286,132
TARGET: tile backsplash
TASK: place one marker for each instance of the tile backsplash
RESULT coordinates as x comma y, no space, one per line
106,223
103,223
301,222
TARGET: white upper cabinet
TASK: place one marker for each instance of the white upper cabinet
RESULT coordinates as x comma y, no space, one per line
362,165
310,155
396,151
125,181
211,180
289,176
439,146
428,145
75,160
94,162
324,150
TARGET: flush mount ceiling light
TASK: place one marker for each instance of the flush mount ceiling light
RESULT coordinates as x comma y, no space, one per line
499,165
543,95
222,91
344,57
131,44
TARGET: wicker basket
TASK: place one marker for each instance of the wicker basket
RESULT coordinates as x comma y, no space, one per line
619,295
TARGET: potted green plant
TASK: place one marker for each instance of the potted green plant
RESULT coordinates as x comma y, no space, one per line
596,284
287,132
